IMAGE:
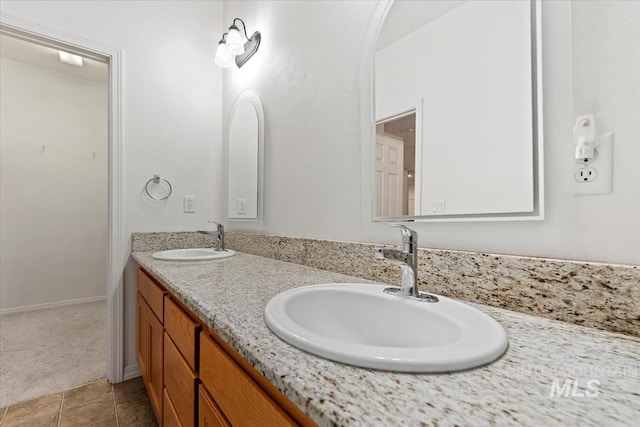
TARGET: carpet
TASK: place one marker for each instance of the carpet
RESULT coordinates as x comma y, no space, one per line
50,350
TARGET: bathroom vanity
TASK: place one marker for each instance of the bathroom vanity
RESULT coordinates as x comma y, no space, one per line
222,363
192,376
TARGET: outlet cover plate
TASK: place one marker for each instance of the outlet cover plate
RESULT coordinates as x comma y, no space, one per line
603,164
189,204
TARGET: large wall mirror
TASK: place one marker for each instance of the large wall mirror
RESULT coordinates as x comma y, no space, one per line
245,153
456,126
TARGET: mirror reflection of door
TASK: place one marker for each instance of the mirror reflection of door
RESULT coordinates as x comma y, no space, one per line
395,165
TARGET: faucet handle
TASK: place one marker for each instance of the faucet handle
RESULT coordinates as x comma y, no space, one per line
409,238
220,226
407,233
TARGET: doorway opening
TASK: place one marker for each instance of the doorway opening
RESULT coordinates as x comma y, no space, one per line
48,150
396,165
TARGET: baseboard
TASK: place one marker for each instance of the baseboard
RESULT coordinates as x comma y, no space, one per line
51,305
130,372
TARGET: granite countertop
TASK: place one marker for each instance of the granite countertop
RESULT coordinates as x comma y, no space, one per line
600,370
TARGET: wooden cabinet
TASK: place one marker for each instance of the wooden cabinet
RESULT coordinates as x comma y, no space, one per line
155,364
149,353
180,383
239,398
210,415
150,314
176,351
182,330
170,415
142,340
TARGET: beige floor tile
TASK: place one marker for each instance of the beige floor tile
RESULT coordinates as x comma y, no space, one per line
43,411
96,391
128,389
105,422
136,412
46,421
133,405
87,414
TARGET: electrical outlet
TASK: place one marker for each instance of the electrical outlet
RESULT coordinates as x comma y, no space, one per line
596,177
189,204
586,174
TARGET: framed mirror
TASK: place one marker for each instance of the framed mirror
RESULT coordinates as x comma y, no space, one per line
245,159
455,131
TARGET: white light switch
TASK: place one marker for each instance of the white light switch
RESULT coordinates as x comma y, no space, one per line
437,207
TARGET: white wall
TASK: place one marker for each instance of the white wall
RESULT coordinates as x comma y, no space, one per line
53,204
172,106
306,73
470,69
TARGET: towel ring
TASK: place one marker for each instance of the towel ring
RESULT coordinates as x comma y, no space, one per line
156,180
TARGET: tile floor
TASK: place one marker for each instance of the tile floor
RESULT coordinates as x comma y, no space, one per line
98,404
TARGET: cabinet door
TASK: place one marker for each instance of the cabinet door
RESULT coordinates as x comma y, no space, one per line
142,337
155,383
209,415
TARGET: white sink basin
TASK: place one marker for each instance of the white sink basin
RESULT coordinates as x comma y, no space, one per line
360,325
200,254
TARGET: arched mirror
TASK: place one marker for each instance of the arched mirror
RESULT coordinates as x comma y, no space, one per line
456,123
245,152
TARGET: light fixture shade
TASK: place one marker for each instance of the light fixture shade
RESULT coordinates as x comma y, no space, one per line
235,42
224,58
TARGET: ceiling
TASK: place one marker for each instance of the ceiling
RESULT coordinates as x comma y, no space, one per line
41,56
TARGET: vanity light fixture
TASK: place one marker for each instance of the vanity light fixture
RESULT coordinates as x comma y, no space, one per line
236,47
70,58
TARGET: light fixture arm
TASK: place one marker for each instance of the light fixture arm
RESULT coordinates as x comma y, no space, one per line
244,27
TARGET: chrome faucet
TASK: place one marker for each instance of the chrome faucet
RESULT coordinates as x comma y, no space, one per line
407,258
218,235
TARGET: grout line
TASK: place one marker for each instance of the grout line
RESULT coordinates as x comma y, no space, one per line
115,406
61,406
4,414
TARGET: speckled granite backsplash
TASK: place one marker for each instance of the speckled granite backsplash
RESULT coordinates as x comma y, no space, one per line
597,295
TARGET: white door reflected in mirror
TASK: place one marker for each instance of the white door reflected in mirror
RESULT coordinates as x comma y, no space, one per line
244,158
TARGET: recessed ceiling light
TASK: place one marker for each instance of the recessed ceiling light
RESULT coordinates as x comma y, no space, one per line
70,58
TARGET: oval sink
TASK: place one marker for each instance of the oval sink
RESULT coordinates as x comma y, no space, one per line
200,254
360,325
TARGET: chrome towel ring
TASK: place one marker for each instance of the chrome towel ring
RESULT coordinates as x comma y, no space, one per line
156,180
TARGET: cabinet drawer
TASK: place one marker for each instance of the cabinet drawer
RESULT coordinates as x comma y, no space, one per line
152,293
180,383
237,395
170,416
182,330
